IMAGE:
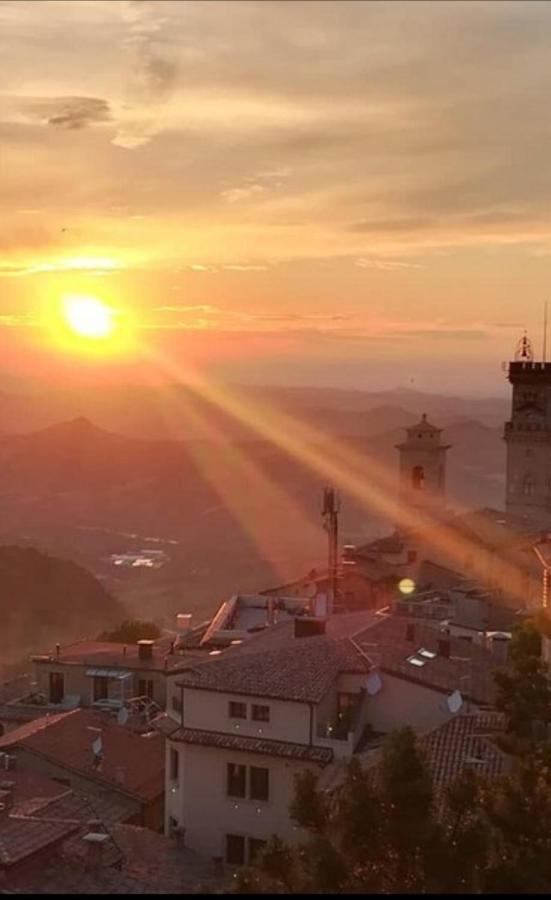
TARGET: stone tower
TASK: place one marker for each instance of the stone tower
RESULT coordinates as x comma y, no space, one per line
528,437
423,468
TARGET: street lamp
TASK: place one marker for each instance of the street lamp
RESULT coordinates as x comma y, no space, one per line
546,566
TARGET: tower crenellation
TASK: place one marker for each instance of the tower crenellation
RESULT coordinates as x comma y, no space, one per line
528,436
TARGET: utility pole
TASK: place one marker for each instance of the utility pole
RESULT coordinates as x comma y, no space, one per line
330,514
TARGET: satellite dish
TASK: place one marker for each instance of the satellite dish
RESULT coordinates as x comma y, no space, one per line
97,746
454,702
122,716
373,684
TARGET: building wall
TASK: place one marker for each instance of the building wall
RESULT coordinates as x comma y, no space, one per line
82,685
400,703
209,710
200,804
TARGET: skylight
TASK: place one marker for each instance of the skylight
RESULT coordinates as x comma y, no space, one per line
415,661
427,654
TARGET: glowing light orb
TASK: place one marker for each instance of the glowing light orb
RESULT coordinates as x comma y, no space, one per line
89,317
406,586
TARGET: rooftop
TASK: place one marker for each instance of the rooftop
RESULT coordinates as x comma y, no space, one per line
149,864
262,746
114,655
299,669
132,764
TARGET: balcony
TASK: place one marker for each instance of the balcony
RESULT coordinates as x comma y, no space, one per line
343,731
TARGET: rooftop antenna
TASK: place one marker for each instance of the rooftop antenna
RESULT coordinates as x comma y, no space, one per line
545,331
330,514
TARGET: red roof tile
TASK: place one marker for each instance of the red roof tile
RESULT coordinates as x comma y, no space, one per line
132,763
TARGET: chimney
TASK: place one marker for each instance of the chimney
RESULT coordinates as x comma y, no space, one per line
183,622
410,631
94,841
444,647
124,649
57,649
270,618
7,762
306,626
145,649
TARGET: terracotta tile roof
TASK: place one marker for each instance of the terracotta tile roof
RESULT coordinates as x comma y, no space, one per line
264,746
465,741
114,655
132,764
302,670
21,837
28,789
150,864
469,669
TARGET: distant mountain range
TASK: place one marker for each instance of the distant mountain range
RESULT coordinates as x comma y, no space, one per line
241,511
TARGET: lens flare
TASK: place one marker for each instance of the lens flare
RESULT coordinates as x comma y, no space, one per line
406,586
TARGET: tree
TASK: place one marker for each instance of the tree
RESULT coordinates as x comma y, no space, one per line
130,631
524,692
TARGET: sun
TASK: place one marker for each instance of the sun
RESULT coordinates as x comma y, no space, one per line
89,317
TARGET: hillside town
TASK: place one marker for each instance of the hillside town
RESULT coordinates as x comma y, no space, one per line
169,764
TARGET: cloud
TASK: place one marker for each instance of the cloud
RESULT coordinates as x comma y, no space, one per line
386,264
235,195
70,112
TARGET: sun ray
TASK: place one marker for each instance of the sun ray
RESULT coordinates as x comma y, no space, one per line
367,481
257,504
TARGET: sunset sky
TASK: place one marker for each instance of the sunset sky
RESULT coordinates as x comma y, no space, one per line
338,193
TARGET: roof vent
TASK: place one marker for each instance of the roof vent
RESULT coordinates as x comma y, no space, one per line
145,649
308,626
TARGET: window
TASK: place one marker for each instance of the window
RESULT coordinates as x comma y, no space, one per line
101,687
57,691
260,783
256,846
174,764
235,850
417,478
236,780
145,688
260,713
238,710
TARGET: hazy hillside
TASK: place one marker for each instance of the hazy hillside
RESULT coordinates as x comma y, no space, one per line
44,600
175,412
230,516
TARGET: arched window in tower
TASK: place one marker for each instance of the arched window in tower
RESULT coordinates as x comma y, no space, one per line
418,478
528,486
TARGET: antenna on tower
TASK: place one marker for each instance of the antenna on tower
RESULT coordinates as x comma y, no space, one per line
330,514
545,331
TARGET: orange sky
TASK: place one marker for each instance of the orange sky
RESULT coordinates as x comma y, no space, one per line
340,193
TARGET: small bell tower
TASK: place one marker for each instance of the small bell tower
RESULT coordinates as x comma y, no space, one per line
423,468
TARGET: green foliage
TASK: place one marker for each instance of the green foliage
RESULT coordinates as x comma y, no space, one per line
130,631
309,807
384,831
524,692
45,600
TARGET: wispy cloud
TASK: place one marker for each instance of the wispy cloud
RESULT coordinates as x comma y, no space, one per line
386,264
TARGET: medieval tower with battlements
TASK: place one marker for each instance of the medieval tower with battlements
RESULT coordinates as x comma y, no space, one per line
528,437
